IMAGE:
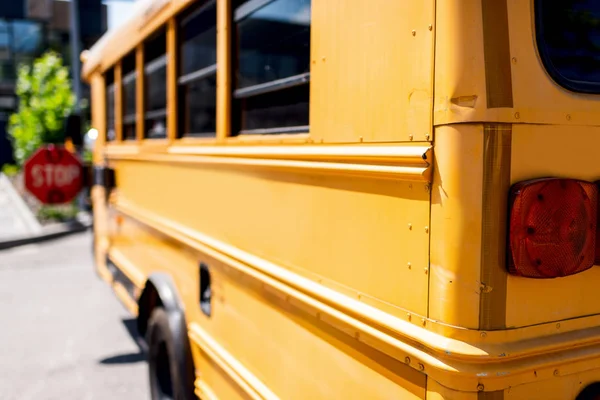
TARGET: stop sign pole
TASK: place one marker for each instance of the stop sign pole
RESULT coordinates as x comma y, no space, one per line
53,175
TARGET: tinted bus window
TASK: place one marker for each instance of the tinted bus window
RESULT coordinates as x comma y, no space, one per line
155,71
273,66
129,95
197,84
110,105
568,36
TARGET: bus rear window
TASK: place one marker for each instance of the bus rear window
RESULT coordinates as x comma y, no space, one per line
568,38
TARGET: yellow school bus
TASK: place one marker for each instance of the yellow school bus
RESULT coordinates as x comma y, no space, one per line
354,199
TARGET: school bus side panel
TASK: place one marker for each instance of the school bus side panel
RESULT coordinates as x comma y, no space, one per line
366,238
371,70
284,346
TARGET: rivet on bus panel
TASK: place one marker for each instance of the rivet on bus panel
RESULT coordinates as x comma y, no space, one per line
410,227
426,229
421,367
427,136
483,335
480,387
407,360
430,27
556,373
414,33
558,326
517,115
514,60
410,137
426,270
409,316
423,321
409,265
568,117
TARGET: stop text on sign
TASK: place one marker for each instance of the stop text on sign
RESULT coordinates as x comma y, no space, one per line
55,175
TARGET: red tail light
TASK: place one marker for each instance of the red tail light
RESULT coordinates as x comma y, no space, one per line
552,227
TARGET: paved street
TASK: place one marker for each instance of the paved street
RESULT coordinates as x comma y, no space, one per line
63,335
15,218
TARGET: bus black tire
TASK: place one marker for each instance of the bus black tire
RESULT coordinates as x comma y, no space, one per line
166,380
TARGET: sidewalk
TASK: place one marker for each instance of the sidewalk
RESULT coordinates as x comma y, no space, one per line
18,226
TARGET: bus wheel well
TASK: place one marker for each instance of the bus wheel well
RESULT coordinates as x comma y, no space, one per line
149,300
159,291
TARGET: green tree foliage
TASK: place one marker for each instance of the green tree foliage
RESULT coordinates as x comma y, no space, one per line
45,99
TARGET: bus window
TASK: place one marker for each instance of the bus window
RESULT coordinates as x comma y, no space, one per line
129,94
109,78
155,70
272,69
198,71
568,36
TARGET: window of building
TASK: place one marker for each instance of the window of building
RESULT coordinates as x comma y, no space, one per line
109,78
129,95
197,84
155,71
272,70
568,37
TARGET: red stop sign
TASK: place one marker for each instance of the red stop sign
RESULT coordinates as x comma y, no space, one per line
53,175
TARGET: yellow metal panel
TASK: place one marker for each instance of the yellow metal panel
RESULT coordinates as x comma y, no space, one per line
460,87
371,70
253,324
140,101
223,69
98,106
118,102
298,371
435,391
172,68
558,387
219,384
321,227
456,209
562,151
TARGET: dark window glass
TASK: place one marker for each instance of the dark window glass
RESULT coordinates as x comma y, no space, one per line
272,66
155,46
156,85
129,97
280,109
274,42
198,104
198,71
568,35
110,106
199,39
156,126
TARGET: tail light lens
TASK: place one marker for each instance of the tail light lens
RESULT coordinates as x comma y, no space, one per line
552,227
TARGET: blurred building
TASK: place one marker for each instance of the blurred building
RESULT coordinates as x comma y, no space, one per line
27,29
